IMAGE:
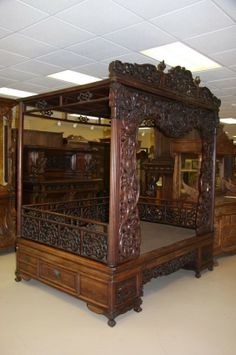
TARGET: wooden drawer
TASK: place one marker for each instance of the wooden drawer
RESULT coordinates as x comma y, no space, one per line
55,275
28,264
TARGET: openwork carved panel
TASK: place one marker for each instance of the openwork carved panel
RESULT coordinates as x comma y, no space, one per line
175,119
65,232
167,214
168,267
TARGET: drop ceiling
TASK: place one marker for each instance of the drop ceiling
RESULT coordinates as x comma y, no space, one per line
41,37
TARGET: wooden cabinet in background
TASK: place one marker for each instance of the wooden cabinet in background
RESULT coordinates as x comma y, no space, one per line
225,225
63,171
7,192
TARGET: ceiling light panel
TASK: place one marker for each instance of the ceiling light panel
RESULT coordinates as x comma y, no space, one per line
15,93
74,77
178,53
228,120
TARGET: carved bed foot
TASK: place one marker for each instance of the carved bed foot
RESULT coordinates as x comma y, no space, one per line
215,263
198,274
211,267
137,306
138,309
18,278
111,323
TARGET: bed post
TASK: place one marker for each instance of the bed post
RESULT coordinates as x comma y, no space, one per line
124,223
114,211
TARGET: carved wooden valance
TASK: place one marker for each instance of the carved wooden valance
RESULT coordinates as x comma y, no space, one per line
177,81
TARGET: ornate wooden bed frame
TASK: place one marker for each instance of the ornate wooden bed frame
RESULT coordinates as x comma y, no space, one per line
78,249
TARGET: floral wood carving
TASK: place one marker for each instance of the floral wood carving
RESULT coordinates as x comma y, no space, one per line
175,119
177,80
168,267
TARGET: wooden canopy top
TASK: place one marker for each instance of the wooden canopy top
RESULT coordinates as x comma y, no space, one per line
93,99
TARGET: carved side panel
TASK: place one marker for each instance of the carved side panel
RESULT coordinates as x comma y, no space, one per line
168,267
175,119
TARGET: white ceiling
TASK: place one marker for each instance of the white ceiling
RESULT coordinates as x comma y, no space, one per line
41,37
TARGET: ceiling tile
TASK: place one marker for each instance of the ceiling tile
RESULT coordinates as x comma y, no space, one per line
153,8
217,41
99,17
132,57
47,31
51,6
49,82
229,6
98,49
15,15
233,67
146,36
194,20
65,59
214,74
16,74
8,58
227,58
224,83
22,45
28,87
228,91
98,70
37,67
4,32
229,98
5,81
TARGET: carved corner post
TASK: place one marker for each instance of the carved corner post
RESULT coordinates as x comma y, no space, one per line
124,233
205,212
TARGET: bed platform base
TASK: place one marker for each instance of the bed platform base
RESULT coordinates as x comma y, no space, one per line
109,291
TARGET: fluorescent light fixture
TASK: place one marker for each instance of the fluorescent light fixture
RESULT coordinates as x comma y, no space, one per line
228,120
74,77
89,117
144,127
15,93
178,53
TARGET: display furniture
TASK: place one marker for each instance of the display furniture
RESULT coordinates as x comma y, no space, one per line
93,248
7,186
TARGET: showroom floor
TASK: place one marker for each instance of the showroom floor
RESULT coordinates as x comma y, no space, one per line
181,315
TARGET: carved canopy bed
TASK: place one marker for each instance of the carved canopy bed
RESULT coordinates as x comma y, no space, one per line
93,249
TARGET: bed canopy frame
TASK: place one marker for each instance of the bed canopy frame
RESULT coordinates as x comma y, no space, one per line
75,247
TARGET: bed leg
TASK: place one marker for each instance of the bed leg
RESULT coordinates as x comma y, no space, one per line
18,278
111,323
198,274
137,308
211,267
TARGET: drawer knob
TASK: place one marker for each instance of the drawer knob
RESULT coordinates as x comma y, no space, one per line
57,273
